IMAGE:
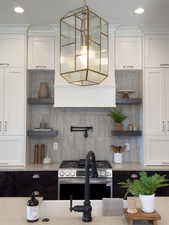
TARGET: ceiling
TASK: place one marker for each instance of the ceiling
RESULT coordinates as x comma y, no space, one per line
43,12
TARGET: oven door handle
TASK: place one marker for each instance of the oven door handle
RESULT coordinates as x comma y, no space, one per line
82,181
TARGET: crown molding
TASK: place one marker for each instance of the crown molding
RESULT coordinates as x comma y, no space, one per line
155,28
48,30
14,28
131,31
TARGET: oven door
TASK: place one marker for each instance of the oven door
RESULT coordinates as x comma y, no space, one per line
99,188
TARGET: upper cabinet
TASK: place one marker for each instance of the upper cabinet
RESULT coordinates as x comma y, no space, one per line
128,52
157,50
41,53
12,50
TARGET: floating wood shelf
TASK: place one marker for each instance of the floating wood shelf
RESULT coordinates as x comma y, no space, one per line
133,101
126,132
40,101
43,134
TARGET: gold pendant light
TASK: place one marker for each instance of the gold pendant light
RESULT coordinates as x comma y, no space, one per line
83,47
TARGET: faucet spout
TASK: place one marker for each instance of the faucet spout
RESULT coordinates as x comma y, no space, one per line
91,171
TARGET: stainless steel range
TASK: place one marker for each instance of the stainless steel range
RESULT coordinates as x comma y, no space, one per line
77,169
71,180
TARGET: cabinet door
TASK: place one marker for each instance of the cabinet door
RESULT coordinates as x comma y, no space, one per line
156,150
1,99
154,103
12,50
12,150
128,53
7,184
43,183
41,53
14,101
166,96
157,50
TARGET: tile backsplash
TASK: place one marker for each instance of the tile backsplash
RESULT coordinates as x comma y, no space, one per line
74,145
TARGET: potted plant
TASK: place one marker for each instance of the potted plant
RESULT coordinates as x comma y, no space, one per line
145,188
118,118
118,150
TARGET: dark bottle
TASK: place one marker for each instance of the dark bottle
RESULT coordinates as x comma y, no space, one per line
32,212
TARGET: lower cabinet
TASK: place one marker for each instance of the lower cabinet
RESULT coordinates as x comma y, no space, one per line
122,176
12,150
22,184
7,184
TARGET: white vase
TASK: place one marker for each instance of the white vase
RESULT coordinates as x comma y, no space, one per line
147,203
118,157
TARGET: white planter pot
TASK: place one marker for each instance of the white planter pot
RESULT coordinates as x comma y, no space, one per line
118,158
147,203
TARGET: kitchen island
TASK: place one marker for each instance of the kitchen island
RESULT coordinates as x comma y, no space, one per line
13,212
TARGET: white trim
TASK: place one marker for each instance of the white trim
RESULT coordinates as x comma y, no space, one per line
14,28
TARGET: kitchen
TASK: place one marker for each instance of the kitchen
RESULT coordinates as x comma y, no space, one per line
48,124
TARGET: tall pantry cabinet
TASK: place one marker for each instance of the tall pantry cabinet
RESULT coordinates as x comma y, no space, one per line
12,96
156,100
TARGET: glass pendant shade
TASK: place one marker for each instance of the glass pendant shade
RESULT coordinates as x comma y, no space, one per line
83,48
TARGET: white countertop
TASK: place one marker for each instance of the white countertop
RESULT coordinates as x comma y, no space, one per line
136,166
69,221
13,212
129,166
32,167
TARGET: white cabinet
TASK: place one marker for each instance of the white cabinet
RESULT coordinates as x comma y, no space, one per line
157,50
41,53
1,100
154,102
12,150
12,101
156,150
128,53
12,49
156,116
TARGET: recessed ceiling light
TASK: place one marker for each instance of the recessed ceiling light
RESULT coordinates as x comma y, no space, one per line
139,11
19,9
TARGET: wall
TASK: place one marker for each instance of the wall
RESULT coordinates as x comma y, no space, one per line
74,145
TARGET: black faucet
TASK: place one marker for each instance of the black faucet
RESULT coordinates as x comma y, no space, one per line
90,171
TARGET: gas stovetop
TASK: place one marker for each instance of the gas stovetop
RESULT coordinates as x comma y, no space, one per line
76,168
81,164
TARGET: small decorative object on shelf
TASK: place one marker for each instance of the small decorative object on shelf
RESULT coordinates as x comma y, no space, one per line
43,91
118,118
126,93
39,153
145,188
118,150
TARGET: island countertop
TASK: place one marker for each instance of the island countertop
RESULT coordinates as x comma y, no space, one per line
99,220
13,212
